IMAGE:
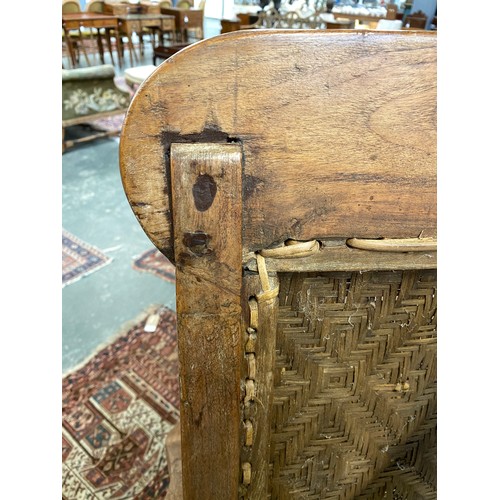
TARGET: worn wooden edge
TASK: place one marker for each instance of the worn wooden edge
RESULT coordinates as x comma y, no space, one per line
161,234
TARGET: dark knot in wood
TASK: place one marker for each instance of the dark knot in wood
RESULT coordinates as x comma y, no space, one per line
204,191
197,243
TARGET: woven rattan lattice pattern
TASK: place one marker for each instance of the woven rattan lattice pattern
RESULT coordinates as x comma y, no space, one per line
354,410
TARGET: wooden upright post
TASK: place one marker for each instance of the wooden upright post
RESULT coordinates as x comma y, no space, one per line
207,223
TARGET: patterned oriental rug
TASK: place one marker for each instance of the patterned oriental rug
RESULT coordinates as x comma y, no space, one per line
79,259
117,410
153,261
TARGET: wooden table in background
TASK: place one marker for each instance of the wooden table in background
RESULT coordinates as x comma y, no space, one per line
166,51
185,19
91,20
135,23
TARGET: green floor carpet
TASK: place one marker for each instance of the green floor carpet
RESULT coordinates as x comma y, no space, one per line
95,209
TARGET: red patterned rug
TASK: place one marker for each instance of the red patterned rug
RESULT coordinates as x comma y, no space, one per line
79,258
153,261
117,409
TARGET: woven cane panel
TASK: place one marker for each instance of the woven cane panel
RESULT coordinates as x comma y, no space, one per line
354,406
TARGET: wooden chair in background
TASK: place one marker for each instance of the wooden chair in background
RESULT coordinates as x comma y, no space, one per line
341,24
241,22
228,25
184,4
95,6
89,40
76,36
295,190
393,13
98,6
193,20
71,7
171,35
194,29
416,20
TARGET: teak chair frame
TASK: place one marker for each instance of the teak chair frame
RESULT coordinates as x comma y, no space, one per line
293,183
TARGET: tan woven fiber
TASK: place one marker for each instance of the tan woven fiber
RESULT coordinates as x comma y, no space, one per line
292,248
354,405
395,245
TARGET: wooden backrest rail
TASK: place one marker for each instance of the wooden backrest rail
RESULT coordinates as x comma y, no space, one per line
291,177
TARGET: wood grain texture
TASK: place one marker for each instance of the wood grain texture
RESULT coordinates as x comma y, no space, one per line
340,257
338,132
207,234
